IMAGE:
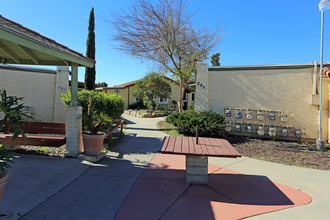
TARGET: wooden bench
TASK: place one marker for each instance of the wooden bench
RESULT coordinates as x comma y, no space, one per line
118,123
37,133
197,154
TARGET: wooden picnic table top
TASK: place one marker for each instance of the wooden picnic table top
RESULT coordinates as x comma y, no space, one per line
214,147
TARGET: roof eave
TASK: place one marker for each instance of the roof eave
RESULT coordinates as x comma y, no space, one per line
40,47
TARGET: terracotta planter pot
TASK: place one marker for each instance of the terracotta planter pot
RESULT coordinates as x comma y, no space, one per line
3,180
93,143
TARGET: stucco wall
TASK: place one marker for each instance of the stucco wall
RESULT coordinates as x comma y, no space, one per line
126,93
41,88
281,89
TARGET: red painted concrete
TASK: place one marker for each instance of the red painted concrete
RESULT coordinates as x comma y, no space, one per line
161,193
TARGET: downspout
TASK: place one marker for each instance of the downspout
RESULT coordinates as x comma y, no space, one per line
315,78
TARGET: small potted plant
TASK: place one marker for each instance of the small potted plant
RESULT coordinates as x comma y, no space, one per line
13,121
94,122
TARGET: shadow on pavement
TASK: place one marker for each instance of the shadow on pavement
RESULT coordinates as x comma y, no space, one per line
133,144
228,195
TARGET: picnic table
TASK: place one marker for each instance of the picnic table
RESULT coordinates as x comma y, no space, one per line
197,150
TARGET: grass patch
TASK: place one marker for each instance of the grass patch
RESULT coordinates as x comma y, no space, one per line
168,128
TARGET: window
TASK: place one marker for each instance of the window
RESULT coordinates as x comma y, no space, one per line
163,100
192,96
137,100
185,97
117,91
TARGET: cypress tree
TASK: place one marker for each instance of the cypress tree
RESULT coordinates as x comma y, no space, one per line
215,59
90,53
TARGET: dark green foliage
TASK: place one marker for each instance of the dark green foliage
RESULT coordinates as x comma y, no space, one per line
153,86
137,105
13,113
90,53
215,59
210,123
5,159
101,84
14,118
98,109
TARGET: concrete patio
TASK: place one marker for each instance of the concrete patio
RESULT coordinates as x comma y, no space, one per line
61,188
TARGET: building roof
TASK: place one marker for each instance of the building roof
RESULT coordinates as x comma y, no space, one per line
266,66
21,45
132,83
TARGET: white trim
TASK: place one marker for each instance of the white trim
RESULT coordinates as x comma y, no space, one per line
185,97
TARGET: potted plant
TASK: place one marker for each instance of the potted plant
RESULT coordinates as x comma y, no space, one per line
5,160
12,121
98,111
95,122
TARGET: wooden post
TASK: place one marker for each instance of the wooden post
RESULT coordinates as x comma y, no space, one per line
121,125
74,84
196,134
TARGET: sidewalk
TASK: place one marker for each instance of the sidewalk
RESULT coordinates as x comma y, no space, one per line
56,188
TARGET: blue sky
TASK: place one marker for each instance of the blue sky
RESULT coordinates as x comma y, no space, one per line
253,32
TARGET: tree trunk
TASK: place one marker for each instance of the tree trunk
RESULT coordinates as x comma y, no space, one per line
182,91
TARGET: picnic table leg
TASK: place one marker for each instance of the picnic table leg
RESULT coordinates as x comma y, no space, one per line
196,169
121,127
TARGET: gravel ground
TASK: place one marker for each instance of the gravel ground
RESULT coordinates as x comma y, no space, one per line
289,153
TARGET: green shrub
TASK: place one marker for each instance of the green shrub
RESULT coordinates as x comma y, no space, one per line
210,124
98,109
110,104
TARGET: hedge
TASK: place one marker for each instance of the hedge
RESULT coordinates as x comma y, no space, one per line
210,124
110,104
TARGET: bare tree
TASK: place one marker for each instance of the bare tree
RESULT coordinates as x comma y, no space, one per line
163,32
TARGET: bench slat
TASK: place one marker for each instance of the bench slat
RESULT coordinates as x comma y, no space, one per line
204,149
165,143
37,140
178,145
191,145
171,142
229,146
210,147
40,128
224,148
44,141
185,145
218,150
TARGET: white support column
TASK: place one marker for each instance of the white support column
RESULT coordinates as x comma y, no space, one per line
74,84
73,118
73,131
61,87
202,88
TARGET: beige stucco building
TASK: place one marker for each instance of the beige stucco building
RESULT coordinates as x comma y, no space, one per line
279,101
125,90
41,89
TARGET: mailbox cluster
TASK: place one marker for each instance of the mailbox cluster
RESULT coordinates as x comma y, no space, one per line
261,122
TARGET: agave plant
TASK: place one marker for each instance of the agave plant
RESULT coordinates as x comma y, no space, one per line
95,120
13,118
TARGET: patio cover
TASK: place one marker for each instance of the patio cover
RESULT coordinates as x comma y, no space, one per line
20,45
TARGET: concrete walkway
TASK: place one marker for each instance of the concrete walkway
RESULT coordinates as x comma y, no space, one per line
56,188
